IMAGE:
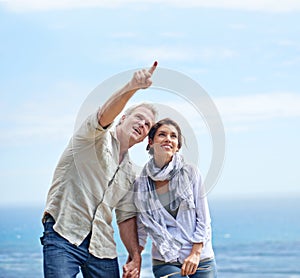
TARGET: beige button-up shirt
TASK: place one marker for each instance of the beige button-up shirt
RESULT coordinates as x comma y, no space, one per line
88,184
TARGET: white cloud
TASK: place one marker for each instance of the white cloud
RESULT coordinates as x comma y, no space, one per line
124,35
238,26
176,35
250,79
52,120
241,111
244,112
38,121
247,5
292,62
50,115
173,53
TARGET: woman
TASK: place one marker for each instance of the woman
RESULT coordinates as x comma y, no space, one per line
173,209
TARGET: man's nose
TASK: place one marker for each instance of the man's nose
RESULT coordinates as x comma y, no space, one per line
142,122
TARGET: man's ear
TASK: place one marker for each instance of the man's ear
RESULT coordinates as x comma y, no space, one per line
122,119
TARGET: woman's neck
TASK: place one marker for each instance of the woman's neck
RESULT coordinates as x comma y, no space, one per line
160,162
161,186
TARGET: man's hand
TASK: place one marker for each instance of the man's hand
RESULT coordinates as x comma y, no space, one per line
142,78
115,104
132,268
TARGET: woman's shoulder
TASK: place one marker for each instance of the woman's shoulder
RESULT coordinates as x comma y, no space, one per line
190,167
192,170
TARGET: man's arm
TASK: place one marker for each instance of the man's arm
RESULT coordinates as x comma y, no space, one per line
128,234
115,104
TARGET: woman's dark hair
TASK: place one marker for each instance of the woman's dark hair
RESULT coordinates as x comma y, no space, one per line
155,127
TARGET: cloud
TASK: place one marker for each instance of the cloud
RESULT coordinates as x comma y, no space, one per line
167,53
36,124
124,35
246,5
46,115
241,112
50,120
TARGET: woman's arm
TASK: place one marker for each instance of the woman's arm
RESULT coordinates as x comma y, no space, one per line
202,228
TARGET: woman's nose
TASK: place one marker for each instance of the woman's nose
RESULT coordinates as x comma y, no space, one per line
168,138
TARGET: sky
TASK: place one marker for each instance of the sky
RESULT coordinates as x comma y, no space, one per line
244,54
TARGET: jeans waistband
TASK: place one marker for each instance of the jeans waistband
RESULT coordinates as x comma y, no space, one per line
48,218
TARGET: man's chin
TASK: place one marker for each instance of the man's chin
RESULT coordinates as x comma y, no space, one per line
134,139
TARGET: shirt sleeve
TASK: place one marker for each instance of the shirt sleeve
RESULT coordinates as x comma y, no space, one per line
90,128
203,220
125,208
142,233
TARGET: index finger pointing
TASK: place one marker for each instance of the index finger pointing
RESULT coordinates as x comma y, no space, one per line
152,69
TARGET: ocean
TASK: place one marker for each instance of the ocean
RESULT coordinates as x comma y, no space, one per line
252,238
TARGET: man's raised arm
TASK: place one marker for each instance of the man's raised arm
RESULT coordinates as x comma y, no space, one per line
115,104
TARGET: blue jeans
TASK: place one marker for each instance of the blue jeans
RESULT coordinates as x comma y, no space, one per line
209,270
64,260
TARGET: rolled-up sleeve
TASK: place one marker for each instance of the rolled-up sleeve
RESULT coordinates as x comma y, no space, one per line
125,208
90,127
142,233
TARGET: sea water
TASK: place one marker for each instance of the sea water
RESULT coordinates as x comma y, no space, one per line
252,238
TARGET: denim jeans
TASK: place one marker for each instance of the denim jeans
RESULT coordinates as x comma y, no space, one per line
208,270
64,260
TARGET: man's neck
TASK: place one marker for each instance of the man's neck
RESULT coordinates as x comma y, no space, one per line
123,143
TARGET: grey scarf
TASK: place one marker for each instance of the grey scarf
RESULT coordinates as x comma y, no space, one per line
150,208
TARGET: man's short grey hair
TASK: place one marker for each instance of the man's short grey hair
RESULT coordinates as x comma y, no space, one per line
147,105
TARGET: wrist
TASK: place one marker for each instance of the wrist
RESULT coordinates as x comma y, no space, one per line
197,248
141,249
136,256
131,88
197,253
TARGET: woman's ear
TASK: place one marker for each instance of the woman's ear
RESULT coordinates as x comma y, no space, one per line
150,142
148,145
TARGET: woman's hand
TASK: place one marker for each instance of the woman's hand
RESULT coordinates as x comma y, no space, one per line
190,264
132,268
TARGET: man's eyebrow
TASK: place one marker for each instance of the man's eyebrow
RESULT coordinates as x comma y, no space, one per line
142,116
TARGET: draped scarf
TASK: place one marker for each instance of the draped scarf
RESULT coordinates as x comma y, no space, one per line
150,208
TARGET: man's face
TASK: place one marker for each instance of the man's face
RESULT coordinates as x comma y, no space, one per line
137,124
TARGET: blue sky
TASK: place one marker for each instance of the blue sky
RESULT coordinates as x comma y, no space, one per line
245,54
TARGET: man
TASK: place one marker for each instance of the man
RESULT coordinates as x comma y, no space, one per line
93,177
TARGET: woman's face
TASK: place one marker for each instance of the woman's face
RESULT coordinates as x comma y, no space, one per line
165,142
